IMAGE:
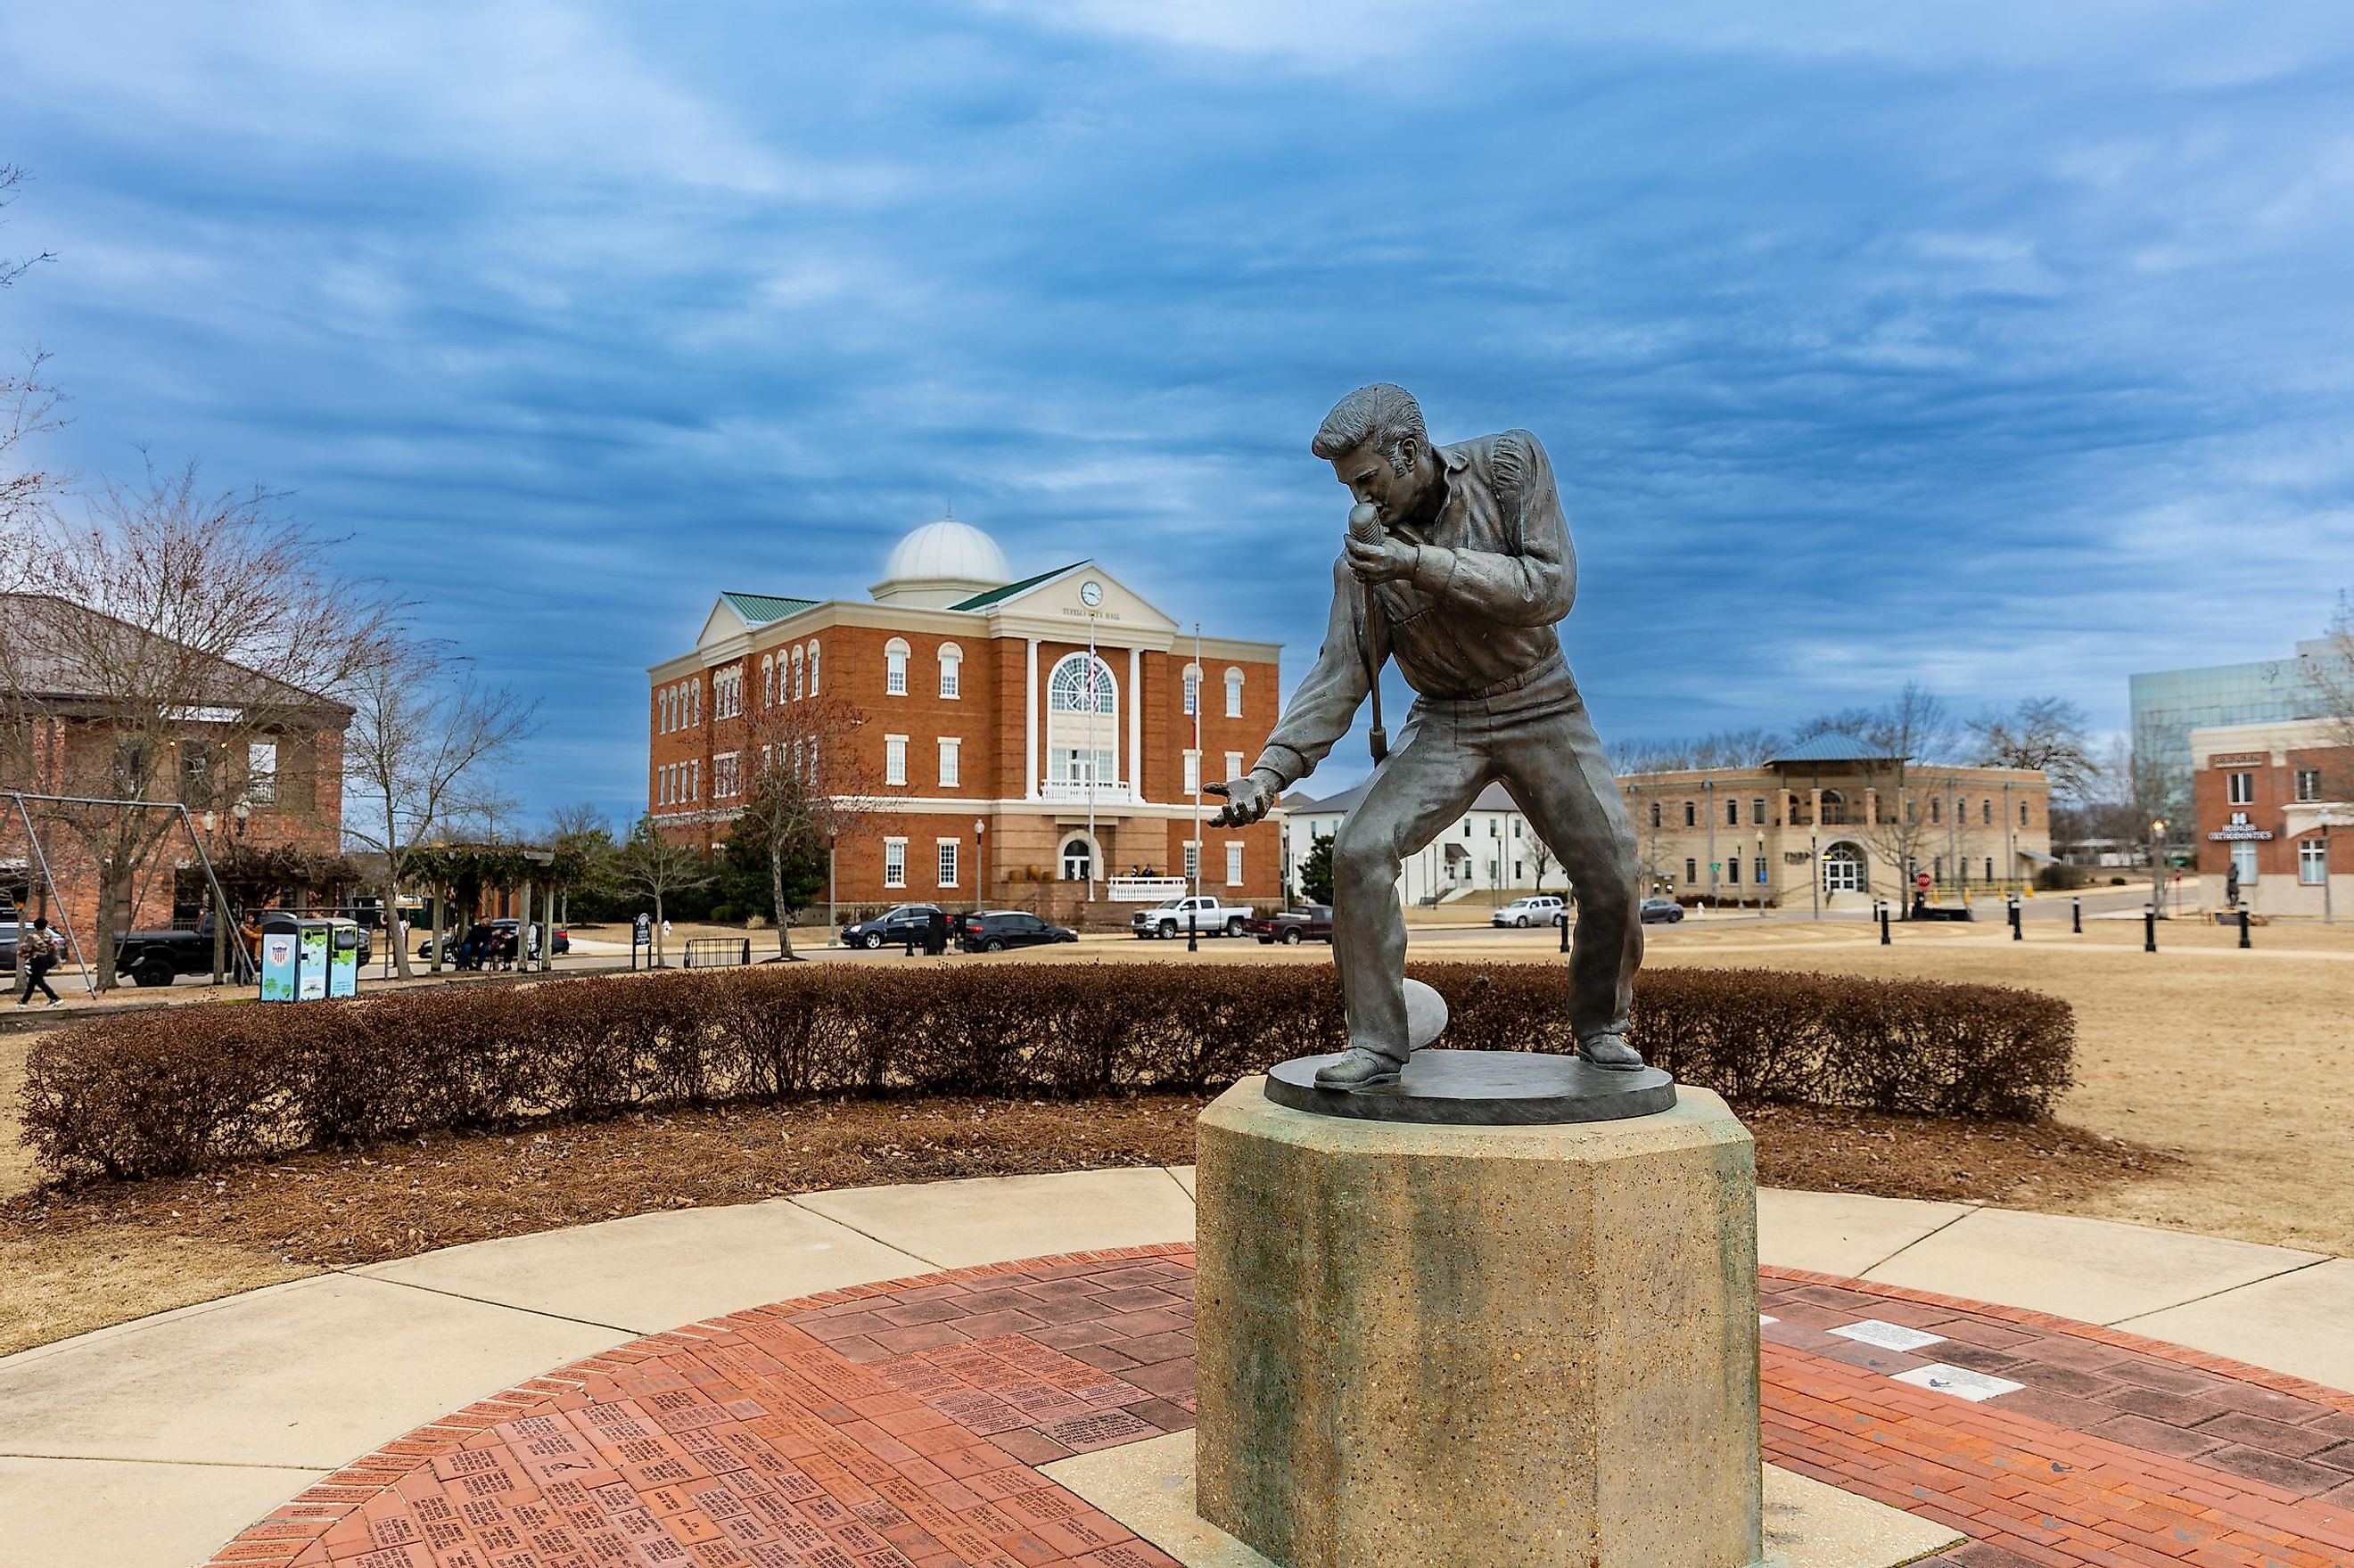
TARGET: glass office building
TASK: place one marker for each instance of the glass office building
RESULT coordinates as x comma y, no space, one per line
2168,704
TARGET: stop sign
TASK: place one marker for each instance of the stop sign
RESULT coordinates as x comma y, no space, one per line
1920,880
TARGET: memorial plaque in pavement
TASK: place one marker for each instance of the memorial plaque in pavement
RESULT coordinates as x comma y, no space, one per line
1104,1429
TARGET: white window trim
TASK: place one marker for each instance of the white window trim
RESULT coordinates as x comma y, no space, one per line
888,845
2312,854
1193,860
1234,693
895,751
951,850
1193,775
812,669
1234,863
951,761
952,672
896,655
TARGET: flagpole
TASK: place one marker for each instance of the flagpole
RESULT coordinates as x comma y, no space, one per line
1095,714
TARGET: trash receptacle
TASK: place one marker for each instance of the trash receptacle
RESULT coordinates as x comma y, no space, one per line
298,956
343,957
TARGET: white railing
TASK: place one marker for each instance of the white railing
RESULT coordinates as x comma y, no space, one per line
1144,889
1107,792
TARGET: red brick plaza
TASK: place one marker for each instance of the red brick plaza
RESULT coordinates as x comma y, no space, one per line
902,1423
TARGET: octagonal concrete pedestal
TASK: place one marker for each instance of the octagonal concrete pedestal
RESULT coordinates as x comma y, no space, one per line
1478,1347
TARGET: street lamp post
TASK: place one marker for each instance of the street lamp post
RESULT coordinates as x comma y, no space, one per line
1760,868
833,918
2157,865
980,861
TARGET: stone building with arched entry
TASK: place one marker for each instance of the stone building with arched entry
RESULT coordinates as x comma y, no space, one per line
1026,739
1840,816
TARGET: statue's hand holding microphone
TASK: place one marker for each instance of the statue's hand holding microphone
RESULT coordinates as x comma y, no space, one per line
1373,557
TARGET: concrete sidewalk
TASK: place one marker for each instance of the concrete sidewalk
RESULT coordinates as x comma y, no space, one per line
146,1445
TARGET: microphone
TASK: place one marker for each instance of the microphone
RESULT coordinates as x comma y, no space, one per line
1364,522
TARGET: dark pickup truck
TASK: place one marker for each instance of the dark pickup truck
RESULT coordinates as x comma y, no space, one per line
159,957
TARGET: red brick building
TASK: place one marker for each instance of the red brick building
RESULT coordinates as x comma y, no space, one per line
212,736
991,728
2276,802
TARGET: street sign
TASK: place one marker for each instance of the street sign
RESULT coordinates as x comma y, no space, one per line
1921,881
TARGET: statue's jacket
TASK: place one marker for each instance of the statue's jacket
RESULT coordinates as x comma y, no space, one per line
1477,616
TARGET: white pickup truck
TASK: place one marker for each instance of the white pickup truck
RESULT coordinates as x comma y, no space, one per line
1174,917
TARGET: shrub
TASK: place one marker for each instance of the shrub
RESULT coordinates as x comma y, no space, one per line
170,1090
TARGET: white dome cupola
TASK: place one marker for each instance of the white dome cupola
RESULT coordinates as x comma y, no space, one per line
941,564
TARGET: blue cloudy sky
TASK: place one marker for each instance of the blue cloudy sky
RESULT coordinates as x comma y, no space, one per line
2003,346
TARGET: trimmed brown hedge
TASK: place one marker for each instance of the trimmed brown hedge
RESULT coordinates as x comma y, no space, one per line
171,1090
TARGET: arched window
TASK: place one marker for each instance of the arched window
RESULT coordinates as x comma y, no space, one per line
1082,724
767,680
661,711
1234,693
1834,807
895,667
951,669
1655,813
1937,810
797,675
1078,860
812,667
1193,688
1986,811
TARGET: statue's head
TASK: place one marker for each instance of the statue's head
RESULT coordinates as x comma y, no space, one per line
1375,442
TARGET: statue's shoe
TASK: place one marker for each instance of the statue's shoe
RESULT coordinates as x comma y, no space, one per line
1610,1050
1360,1068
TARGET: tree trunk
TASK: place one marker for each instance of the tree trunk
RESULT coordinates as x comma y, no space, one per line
661,949
777,901
114,902
392,921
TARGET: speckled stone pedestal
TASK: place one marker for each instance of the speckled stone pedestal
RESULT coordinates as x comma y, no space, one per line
1462,1347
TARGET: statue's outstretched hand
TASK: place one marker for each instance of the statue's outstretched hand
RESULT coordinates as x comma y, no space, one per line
1247,799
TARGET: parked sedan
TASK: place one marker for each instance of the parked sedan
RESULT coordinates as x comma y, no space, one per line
1661,912
895,926
1537,909
994,931
1301,923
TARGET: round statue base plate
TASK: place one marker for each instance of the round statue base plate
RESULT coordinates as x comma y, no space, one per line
1481,1088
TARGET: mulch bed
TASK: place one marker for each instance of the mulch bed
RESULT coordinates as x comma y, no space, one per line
335,1209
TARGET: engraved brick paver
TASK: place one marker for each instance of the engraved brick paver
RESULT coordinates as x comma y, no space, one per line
900,1425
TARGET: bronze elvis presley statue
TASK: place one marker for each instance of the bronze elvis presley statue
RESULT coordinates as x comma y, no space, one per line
1458,565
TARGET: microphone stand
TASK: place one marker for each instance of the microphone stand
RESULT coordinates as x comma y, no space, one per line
1365,527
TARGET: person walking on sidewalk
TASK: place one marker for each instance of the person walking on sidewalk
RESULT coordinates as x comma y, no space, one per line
39,950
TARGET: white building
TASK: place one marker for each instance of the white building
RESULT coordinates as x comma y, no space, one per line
1491,849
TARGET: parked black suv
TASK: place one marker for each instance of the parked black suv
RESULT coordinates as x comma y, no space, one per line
995,930
894,927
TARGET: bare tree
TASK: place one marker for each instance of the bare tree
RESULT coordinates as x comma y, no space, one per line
804,785
28,405
2046,732
1542,855
175,647
2329,674
1911,731
657,866
416,758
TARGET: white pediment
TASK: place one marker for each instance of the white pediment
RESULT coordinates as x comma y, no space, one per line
721,624
1063,601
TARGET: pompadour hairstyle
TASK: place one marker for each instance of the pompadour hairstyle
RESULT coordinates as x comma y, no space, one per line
1384,414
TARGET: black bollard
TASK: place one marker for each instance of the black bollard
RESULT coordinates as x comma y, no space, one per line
2076,916
1562,920
2018,934
2149,928
1192,933
1884,926
2244,925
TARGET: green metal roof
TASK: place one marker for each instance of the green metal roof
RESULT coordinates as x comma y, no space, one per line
761,609
1833,745
999,594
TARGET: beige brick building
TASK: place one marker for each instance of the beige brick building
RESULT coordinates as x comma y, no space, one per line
1835,812
995,734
